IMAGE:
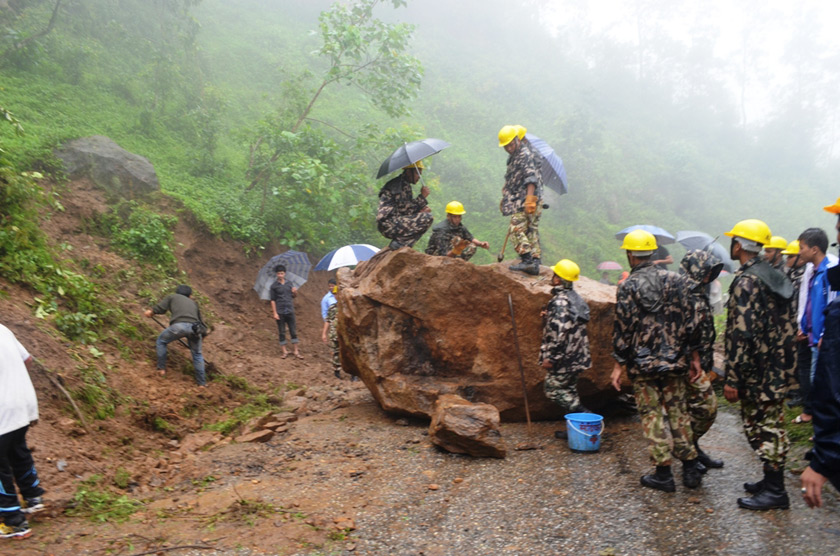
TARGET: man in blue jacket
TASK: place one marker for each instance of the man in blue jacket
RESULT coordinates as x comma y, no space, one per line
813,244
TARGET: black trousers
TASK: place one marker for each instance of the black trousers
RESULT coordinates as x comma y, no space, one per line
16,466
287,319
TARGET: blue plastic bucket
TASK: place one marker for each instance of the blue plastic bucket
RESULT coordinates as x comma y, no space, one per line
584,431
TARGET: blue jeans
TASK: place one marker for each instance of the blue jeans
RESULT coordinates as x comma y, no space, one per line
815,353
175,332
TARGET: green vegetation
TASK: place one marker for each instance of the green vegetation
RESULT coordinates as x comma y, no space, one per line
100,505
140,233
257,405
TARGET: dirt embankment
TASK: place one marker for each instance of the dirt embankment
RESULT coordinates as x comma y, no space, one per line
144,451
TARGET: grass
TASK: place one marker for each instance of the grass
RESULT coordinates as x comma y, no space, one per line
100,505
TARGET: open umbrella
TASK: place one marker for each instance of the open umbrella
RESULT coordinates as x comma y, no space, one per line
609,265
297,271
691,239
349,255
409,153
552,170
662,237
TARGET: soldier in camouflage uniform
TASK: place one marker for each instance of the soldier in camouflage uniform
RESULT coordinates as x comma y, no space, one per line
795,269
700,268
521,199
564,352
773,252
402,218
653,328
451,238
759,359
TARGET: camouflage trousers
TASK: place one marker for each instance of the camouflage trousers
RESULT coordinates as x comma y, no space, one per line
764,425
332,341
525,232
406,229
665,392
561,388
702,405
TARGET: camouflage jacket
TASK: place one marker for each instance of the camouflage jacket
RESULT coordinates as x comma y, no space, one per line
694,268
654,322
565,342
759,336
522,168
442,235
395,199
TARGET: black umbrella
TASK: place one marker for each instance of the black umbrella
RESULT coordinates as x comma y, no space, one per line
409,153
700,240
297,271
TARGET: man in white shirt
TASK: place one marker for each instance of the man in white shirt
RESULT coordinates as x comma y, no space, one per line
18,408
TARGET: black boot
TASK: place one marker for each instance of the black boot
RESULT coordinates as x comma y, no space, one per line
692,477
706,460
754,488
701,468
523,265
662,480
534,269
773,496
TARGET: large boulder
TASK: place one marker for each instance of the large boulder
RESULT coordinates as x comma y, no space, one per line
462,427
414,327
122,174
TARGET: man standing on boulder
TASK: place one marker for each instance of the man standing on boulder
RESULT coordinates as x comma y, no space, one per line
760,359
521,200
184,313
451,238
564,352
402,218
654,325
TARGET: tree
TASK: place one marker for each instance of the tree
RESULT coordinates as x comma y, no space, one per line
364,52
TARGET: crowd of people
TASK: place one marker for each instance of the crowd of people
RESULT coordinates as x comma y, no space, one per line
782,326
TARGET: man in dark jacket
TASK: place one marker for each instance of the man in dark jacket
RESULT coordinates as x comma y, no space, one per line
825,456
184,313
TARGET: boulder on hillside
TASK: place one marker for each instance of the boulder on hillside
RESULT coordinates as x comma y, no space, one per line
461,427
414,327
122,174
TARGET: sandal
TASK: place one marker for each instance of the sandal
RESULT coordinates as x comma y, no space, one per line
284,356
800,421
299,356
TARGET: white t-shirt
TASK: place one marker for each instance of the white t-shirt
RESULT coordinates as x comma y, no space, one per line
18,403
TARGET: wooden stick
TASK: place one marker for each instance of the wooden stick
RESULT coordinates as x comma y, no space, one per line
58,385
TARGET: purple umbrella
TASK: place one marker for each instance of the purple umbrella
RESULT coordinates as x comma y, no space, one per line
609,265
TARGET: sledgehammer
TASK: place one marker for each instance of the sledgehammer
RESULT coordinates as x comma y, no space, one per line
501,256
529,445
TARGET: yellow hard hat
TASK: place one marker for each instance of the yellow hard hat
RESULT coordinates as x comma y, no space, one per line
507,134
751,229
520,131
792,248
454,207
567,270
835,208
418,165
777,242
639,240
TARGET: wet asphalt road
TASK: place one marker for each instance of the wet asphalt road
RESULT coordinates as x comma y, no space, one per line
554,501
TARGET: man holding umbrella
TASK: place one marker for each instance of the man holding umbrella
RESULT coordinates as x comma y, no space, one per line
402,218
521,201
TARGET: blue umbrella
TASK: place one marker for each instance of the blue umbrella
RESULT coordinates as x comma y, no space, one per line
552,170
297,271
662,237
349,255
701,240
